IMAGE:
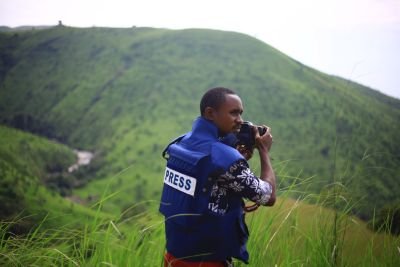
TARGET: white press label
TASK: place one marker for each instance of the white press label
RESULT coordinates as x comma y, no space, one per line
180,181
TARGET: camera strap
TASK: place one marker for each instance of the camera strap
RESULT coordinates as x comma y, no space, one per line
251,208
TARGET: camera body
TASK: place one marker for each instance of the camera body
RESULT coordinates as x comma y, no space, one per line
246,135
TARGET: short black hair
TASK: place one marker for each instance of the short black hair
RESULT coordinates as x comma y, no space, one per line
214,97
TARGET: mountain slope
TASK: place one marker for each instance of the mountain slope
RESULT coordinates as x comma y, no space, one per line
124,93
30,170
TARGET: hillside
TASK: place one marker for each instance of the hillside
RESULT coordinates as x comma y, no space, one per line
124,93
32,171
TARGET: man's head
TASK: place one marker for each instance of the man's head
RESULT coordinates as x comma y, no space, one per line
223,107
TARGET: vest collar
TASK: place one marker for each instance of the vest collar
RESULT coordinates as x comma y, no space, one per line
206,128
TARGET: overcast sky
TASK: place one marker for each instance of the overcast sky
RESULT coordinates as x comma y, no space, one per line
355,39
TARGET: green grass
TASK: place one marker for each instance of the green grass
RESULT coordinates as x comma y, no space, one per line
31,154
292,233
31,168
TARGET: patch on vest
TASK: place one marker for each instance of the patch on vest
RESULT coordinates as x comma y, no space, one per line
180,181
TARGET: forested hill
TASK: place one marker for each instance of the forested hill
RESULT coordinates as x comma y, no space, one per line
124,93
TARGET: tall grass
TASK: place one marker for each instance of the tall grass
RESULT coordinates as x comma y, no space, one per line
101,243
292,233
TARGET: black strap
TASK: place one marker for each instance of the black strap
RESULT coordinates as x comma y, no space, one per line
176,140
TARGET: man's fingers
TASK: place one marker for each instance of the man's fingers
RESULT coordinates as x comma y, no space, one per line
255,131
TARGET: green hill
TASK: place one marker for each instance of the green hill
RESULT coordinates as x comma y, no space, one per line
32,171
124,93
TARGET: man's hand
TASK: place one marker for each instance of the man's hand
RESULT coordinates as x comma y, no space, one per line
263,142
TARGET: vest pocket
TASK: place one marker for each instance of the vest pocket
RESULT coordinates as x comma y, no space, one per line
182,200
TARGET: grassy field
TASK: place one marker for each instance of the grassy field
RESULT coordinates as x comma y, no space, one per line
291,233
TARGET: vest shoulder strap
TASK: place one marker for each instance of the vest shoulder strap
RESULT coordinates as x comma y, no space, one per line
224,155
176,140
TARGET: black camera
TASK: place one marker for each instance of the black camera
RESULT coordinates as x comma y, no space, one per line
246,135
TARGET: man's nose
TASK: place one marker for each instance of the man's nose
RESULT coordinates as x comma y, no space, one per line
239,119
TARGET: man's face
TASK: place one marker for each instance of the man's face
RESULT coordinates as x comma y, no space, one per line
228,116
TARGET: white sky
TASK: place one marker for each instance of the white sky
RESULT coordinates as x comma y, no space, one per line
354,39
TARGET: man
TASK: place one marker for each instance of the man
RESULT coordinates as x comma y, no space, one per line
204,185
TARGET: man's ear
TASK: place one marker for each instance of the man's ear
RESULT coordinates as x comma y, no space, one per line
209,113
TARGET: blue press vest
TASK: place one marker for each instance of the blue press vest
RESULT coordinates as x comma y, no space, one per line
194,232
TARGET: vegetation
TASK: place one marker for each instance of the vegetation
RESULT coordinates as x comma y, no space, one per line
125,93
291,233
29,167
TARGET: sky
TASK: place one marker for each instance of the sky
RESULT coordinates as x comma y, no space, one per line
354,39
